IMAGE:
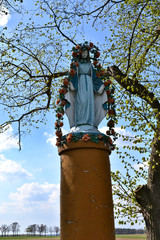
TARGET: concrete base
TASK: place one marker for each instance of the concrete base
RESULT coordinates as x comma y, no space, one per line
86,196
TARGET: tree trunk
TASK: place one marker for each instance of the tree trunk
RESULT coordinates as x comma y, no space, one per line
148,196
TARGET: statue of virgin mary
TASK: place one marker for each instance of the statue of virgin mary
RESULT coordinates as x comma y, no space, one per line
86,100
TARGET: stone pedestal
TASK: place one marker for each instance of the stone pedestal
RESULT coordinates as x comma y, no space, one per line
86,196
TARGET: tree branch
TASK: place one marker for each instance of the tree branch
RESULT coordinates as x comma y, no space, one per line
54,75
9,4
58,26
131,39
134,87
97,9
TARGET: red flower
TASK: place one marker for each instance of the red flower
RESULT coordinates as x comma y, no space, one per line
72,72
78,47
97,54
58,133
108,132
76,64
69,138
95,63
65,82
58,101
61,124
110,123
63,103
74,54
99,65
86,137
62,91
58,124
91,44
58,142
111,112
111,100
100,136
101,72
59,115
107,83
98,74
108,92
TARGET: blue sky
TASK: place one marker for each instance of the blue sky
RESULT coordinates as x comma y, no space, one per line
30,178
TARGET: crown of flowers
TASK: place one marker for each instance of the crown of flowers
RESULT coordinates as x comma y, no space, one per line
92,49
94,55
109,88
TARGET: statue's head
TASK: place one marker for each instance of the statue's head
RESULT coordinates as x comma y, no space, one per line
85,51
85,54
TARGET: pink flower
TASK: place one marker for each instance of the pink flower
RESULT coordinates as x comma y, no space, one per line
86,137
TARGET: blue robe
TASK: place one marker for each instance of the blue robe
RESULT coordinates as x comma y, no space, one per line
82,107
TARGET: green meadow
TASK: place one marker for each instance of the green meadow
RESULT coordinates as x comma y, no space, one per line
132,236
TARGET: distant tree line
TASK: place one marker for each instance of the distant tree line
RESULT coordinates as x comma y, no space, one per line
129,231
43,230
32,230
14,228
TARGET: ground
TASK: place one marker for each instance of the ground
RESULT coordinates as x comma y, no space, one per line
124,237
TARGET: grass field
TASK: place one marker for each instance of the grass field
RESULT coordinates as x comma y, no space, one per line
118,237
131,236
29,238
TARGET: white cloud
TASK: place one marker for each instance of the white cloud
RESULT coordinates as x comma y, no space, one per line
103,129
4,16
34,195
119,142
12,171
8,140
32,203
141,166
52,138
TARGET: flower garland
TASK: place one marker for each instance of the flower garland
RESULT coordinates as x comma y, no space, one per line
111,115
76,55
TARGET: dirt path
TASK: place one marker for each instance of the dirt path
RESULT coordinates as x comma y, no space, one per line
123,239
128,239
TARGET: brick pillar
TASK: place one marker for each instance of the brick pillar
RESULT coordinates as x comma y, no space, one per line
86,195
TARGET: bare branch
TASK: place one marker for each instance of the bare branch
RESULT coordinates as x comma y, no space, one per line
131,39
9,4
147,50
58,26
